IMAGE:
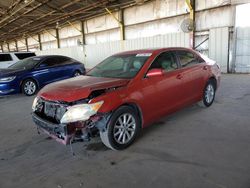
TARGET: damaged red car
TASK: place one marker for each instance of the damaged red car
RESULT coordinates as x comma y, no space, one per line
124,94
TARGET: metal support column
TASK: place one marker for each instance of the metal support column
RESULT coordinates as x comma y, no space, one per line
16,45
8,46
120,22
40,43
83,33
58,38
191,6
26,44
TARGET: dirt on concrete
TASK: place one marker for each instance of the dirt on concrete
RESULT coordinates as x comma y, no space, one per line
193,148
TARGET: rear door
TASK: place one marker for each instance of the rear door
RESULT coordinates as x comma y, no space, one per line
162,94
194,74
65,67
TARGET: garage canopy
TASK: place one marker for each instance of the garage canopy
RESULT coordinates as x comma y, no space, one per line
21,18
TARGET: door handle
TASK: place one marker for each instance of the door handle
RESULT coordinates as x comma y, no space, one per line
205,68
179,76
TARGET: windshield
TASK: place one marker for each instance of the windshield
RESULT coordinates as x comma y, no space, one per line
120,66
27,63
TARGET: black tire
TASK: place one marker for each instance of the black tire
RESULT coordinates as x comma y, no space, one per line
108,136
208,94
77,73
29,87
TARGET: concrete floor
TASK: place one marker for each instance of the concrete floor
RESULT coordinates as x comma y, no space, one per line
194,148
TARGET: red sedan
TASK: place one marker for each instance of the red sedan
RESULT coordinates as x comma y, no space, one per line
125,93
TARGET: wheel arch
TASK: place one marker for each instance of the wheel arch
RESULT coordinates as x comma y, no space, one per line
29,78
213,79
137,109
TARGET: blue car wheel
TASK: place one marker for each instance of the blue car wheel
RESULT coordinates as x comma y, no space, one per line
29,87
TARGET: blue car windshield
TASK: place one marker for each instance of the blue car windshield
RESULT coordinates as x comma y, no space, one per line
27,63
120,66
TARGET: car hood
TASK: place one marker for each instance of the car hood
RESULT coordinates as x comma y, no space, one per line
10,72
78,88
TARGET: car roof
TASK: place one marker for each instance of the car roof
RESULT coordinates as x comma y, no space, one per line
45,56
17,52
152,50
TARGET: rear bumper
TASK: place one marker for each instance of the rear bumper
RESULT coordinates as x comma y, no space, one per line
57,131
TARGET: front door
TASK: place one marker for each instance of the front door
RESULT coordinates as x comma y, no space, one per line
162,94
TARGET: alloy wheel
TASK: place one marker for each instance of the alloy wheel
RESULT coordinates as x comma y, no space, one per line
29,87
124,128
209,93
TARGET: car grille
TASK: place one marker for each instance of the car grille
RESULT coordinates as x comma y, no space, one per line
50,111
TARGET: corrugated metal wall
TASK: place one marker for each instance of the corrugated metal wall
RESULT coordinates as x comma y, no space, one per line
218,47
96,53
75,52
153,24
242,54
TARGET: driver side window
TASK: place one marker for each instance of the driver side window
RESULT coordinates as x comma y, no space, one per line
165,61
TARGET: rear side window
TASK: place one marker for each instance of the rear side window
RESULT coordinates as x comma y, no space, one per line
187,59
24,55
5,57
63,60
50,62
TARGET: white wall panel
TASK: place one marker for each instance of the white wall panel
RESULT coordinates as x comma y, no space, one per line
47,36
101,37
158,27
206,4
240,1
68,42
69,31
242,60
33,40
101,23
21,43
73,52
49,45
5,47
96,53
218,46
154,10
12,46
222,17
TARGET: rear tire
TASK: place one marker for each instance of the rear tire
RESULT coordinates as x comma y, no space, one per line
122,129
208,94
77,73
29,87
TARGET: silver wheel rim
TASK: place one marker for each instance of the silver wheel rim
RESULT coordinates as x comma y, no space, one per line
77,74
30,87
124,128
209,93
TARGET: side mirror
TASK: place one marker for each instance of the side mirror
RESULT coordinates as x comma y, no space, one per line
155,72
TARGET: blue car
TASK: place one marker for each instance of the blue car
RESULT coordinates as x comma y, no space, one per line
32,73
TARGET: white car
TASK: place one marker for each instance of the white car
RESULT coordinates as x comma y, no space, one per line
9,58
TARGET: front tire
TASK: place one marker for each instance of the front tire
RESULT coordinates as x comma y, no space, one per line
208,94
29,87
122,129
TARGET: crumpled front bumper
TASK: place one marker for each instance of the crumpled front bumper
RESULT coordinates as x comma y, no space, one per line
57,131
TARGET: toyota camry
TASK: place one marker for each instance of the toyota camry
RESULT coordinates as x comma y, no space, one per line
124,94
